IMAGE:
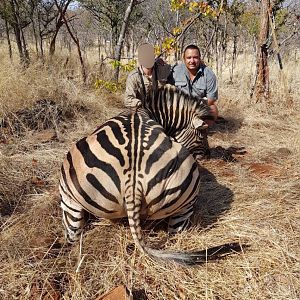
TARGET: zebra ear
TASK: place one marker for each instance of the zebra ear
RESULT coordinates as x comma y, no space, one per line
198,123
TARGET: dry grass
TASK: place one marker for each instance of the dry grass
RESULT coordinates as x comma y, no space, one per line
253,200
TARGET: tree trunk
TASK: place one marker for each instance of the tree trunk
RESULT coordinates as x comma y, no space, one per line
234,54
21,42
36,41
120,42
25,50
223,43
62,8
74,38
99,46
35,27
8,39
216,45
17,31
18,41
53,40
262,78
41,42
177,50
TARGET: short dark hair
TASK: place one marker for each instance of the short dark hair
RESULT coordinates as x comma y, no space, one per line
191,47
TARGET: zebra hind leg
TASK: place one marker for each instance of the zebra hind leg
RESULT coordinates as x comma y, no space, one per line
181,219
73,218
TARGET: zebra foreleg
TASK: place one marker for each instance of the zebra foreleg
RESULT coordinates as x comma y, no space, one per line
73,219
181,220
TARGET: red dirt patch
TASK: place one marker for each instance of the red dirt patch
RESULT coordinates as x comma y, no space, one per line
261,169
118,293
222,166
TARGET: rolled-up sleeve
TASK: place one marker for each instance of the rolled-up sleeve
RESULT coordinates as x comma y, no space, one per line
133,95
211,86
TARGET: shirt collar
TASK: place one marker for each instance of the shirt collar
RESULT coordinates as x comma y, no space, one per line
200,72
143,73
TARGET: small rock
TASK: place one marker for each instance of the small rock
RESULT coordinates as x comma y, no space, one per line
45,136
283,152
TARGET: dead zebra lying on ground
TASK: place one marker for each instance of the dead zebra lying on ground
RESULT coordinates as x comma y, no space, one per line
130,168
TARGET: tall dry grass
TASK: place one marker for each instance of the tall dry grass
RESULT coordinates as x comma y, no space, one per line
253,200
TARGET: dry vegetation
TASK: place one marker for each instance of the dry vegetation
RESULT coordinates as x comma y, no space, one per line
253,200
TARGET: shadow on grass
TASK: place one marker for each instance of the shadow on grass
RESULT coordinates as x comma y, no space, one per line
139,295
226,154
228,125
213,201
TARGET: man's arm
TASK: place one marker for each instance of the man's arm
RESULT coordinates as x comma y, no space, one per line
211,86
132,94
212,93
213,108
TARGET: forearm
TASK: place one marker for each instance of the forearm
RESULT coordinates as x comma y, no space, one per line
213,108
132,96
131,101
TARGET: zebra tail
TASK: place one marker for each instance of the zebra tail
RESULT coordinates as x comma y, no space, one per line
133,216
183,258
197,257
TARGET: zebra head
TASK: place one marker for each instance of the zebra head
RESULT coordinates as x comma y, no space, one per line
194,138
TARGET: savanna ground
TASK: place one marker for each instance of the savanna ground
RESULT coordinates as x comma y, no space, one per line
252,199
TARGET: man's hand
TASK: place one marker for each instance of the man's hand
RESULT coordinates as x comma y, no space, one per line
213,109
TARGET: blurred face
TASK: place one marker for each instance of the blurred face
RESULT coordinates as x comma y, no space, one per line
192,59
146,56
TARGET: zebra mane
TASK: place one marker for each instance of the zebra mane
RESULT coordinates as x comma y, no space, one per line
172,93
169,101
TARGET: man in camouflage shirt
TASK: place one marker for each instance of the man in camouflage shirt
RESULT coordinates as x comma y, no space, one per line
147,77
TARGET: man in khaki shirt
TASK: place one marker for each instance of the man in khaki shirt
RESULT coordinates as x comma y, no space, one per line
147,77
138,86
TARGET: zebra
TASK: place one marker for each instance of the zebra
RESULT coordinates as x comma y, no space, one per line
182,116
129,167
